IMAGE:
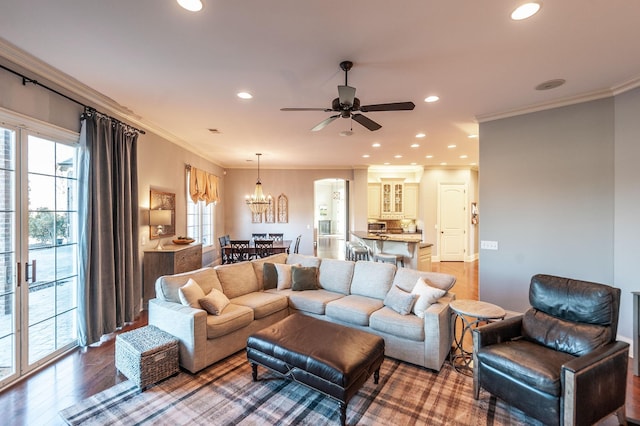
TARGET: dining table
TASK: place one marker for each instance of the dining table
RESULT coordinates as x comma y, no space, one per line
279,246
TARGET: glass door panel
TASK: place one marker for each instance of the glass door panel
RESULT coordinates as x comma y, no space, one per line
52,253
8,296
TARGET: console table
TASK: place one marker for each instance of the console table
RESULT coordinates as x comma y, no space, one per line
172,259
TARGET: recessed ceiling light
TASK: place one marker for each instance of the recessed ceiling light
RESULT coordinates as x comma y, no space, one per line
397,156
451,146
551,84
525,11
413,164
443,164
432,98
428,156
191,5
386,163
421,135
473,164
376,145
464,156
472,136
415,145
366,156
245,95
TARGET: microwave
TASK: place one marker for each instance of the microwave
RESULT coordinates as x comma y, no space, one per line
377,227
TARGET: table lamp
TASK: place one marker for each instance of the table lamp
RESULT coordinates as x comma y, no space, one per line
159,219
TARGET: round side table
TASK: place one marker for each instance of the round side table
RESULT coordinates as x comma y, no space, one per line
469,314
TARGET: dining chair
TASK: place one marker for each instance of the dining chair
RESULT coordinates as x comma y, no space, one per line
223,242
296,247
259,236
239,250
263,248
276,237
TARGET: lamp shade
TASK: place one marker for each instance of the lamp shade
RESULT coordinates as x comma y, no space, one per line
159,217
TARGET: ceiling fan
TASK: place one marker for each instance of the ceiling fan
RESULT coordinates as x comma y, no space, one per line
347,105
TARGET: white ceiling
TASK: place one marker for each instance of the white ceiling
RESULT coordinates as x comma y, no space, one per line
179,72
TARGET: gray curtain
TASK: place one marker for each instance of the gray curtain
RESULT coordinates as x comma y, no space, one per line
110,290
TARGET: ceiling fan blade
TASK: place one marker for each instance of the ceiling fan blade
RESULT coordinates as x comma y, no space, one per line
306,109
324,123
366,122
346,94
394,106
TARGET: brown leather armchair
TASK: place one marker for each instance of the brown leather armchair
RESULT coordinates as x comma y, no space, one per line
559,362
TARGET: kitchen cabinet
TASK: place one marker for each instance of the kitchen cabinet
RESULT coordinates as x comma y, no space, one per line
411,191
373,201
424,257
392,199
172,259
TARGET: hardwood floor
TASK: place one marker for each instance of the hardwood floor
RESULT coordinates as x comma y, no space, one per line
37,399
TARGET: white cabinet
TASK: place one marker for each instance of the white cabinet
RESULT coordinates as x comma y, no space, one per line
373,201
392,199
411,191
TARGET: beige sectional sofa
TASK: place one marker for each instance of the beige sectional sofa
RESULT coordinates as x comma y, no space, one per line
348,293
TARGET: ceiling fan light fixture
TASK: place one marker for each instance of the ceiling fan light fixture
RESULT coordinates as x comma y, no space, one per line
191,5
346,133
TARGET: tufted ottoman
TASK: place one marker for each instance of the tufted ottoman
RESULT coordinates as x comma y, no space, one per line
330,358
147,355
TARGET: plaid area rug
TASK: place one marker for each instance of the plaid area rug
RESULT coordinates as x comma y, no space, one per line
224,394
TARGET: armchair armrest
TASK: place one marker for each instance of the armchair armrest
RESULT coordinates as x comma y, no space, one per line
497,332
598,380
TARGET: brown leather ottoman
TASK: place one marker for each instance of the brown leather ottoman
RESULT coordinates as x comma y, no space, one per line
330,358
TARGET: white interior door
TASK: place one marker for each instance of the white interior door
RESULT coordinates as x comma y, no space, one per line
452,222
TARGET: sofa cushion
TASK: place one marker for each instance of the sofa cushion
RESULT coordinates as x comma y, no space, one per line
233,318
262,303
314,302
427,296
406,279
258,268
284,276
303,260
237,279
335,275
388,321
353,309
400,300
190,293
304,278
527,362
372,279
167,286
214,302
269,276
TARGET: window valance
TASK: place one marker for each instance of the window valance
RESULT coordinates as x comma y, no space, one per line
203,186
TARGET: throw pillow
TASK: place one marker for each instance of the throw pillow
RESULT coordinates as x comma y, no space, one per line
427,296
269,276
190,293
304,278
284,276
214,302
400,300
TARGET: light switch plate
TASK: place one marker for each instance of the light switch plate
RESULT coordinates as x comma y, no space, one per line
488,245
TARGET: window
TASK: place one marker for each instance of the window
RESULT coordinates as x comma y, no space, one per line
199,219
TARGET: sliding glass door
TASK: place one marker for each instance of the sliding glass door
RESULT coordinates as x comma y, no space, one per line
38,249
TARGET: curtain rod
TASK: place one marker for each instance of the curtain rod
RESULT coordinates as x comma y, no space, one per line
26,80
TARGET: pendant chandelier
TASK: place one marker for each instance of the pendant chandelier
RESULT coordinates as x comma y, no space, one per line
257,202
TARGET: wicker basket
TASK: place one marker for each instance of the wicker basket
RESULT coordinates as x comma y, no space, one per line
147,355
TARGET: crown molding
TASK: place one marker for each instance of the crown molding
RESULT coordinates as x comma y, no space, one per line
87,95
630,84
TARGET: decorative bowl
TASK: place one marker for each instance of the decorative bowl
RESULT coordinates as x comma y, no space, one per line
183,241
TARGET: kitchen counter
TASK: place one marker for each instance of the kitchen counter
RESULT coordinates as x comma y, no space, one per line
416,254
